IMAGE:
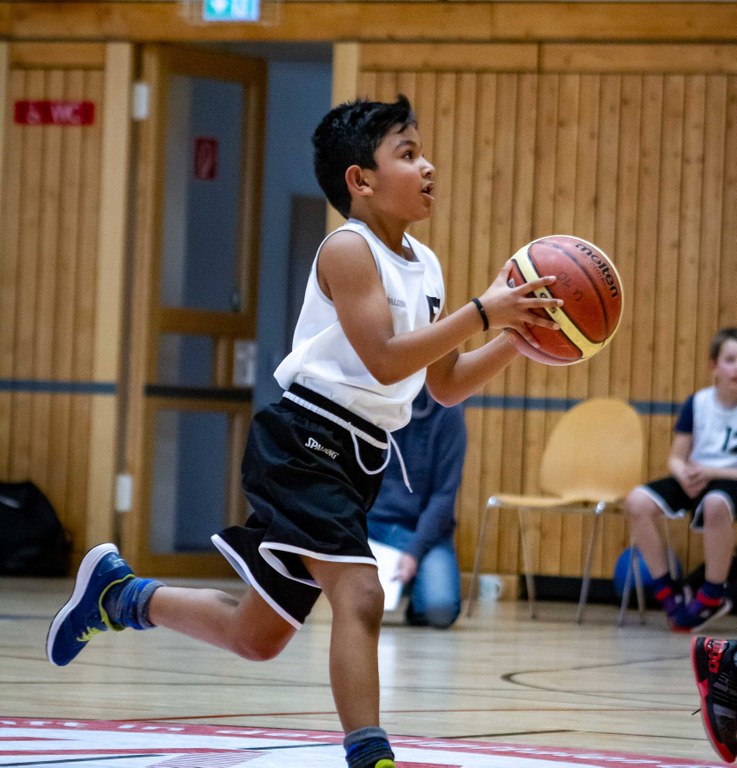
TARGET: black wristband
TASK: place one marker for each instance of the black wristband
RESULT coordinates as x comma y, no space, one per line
482,312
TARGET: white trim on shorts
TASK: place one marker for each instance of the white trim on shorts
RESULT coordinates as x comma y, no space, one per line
697,520
265,550
240,567
697,524
660,503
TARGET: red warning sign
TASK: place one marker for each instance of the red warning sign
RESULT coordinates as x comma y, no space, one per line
54,112
205,158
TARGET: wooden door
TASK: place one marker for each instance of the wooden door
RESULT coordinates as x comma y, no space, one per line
193,305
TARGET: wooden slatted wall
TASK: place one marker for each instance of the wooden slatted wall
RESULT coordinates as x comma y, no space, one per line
631,147
60,296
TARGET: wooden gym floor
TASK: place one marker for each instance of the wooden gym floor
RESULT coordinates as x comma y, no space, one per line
496,678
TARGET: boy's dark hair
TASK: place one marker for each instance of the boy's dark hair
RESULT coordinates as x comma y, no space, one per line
349,135
718,341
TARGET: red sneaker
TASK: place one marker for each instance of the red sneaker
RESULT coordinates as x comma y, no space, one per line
716,678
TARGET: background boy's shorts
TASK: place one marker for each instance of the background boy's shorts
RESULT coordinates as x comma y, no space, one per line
668,494
309,497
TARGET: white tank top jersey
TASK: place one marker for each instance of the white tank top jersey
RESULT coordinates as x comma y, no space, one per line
714,431
323,359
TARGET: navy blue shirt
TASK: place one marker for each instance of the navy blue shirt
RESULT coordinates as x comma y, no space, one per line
433,446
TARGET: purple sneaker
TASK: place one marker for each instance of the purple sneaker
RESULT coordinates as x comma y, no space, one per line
699,611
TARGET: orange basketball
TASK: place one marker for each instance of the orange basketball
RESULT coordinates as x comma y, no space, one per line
591,289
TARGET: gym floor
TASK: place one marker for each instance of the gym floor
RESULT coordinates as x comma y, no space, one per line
497,687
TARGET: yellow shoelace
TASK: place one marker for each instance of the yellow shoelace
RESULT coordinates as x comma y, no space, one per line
88,634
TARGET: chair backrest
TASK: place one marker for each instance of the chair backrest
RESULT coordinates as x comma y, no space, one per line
594,452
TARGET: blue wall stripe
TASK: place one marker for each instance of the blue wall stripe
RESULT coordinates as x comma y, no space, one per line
59,387
506,403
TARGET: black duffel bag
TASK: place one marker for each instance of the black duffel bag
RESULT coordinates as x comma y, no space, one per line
33,541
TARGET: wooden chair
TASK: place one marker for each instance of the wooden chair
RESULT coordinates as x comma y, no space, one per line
592,459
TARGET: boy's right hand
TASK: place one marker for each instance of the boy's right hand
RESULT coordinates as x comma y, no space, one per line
517,307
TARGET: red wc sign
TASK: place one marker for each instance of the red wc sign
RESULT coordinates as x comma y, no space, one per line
54,112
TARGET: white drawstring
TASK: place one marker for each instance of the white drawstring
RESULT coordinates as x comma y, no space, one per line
355,433
392,443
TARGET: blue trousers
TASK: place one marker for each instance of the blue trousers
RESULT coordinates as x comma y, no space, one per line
435,592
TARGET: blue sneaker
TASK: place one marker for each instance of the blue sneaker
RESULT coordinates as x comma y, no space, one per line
82,616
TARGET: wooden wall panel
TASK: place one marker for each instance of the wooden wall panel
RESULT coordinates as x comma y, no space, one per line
49,249
428,20
49,275
611,144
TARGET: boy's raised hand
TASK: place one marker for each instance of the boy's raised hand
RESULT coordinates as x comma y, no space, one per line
514,307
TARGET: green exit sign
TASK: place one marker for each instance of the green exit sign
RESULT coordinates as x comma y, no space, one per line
231,10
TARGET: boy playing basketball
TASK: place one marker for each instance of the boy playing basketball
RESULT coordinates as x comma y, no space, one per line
372,330
703,481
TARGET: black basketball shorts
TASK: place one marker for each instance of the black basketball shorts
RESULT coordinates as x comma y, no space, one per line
668,494
309,496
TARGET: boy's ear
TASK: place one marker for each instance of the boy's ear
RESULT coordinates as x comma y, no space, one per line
356,180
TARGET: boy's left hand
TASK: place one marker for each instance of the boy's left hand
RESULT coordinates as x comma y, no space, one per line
518,307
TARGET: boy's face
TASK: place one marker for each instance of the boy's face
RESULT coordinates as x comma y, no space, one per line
724,368
402,181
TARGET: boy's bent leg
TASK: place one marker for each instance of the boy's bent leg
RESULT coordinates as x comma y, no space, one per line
248,627
712,600
718,532
644,517
107,595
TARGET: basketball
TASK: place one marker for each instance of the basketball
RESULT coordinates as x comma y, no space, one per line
591,290
622,566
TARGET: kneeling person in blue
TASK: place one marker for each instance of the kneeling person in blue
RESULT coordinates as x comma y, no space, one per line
421,523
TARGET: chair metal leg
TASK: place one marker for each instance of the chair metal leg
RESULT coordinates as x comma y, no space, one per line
634,570
633,574
672,562
586,581
626,589
529,578
473,587
639,589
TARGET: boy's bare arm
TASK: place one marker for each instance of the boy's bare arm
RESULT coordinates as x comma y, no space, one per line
347,274
680,450
679,466
456,377
692,475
